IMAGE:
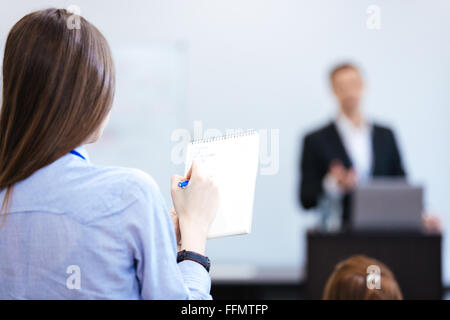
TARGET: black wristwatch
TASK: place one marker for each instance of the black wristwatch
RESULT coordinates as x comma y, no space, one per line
189,255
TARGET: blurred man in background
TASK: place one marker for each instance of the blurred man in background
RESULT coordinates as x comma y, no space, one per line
347,151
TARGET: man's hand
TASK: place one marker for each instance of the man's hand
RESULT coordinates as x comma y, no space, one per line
345,178
431,222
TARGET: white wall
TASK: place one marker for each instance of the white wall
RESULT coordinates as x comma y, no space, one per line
263,64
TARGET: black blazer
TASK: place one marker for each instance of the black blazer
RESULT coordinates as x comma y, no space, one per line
324,145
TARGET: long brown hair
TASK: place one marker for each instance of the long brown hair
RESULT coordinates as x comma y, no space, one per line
348,281
58,87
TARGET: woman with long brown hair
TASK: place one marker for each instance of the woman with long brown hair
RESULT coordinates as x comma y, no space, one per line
71,229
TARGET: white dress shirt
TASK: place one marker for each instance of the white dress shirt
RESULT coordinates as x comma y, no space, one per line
357,143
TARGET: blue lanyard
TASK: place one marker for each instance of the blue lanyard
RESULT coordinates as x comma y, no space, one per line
77,154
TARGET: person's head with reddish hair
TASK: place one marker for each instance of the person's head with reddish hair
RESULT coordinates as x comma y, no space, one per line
349,281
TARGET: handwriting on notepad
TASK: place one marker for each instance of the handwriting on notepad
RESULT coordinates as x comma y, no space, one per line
202,154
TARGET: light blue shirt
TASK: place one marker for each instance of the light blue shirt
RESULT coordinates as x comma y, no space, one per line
80,231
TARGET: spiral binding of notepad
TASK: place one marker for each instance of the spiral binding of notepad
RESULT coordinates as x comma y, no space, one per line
225,137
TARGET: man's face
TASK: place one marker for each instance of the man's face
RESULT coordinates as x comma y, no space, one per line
348,88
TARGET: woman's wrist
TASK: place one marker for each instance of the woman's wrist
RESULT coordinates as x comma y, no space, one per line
193,243
193,238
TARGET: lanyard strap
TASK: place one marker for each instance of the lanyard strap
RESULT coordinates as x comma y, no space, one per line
75,152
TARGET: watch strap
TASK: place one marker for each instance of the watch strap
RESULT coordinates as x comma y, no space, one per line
193,256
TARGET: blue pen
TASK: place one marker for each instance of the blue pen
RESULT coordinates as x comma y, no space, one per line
183,184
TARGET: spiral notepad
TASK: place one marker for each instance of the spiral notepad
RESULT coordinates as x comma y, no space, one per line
232,162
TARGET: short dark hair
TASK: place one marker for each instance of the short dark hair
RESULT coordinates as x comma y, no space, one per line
340,67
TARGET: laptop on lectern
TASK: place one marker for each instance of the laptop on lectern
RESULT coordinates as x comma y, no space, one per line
387,204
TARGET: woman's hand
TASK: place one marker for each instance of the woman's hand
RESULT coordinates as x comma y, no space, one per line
176,227
196,207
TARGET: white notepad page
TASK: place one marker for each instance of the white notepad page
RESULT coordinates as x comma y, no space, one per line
232,162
